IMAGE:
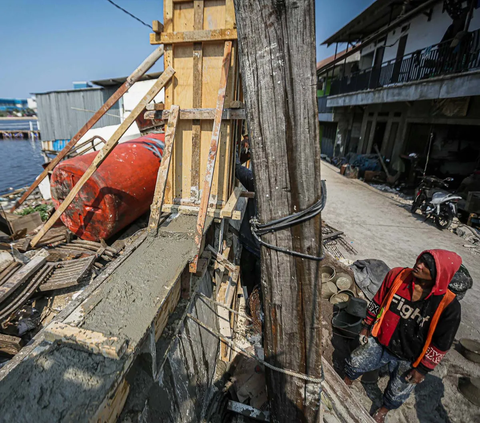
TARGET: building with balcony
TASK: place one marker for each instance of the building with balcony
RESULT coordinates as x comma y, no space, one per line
412,85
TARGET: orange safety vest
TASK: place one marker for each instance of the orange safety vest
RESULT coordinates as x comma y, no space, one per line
399,280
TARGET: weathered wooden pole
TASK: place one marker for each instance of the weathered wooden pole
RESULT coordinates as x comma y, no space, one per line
277,56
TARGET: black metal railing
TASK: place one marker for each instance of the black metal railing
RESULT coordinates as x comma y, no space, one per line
437,60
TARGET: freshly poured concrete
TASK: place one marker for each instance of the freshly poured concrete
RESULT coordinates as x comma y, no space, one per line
60,384
66,384
133,295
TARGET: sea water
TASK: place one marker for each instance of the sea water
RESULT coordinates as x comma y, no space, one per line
20,163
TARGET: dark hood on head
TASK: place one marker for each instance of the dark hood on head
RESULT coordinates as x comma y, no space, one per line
447,264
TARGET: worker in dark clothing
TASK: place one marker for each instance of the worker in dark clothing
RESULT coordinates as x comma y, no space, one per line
410,325
250,260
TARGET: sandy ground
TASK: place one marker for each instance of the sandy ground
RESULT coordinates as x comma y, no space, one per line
380,227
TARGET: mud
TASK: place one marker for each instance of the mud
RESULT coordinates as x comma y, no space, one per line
131,297
63,385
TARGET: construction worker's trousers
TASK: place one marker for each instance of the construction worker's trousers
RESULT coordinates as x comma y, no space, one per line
373,356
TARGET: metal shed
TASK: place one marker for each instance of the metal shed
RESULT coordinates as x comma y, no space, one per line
62,113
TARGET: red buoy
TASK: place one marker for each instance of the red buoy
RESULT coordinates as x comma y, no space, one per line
119,192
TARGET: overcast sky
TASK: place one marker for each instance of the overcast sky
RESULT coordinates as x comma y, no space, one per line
47,44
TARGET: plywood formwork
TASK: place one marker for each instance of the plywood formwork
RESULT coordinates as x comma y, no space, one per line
194,35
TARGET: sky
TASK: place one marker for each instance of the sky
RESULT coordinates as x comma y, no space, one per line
45,45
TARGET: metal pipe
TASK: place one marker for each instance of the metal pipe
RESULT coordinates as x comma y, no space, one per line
135,76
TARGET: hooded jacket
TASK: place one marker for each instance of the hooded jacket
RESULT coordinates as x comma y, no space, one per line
405,326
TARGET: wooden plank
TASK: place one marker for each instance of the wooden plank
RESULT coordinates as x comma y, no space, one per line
201,114
228,210
343,399
157,203
105,151
26,224
212,156
113,407
194,210
68,273
224,320
198,12
247,194
205,35
157,27
155,106
10,344
96,342
229,14
167,308
221,259
20,277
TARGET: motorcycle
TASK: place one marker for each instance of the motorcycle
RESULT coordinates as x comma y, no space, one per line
434,201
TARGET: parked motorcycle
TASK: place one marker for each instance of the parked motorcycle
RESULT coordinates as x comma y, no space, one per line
434,201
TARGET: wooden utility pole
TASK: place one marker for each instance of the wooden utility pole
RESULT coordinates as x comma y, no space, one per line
277,56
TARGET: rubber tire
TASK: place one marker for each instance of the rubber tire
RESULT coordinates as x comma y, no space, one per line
449,220
417,203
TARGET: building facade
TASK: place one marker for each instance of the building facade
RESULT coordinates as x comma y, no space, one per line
414,89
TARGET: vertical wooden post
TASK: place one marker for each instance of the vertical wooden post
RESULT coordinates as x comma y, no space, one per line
157,203
212,155
277,57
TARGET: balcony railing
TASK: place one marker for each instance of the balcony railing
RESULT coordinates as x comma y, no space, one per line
437,60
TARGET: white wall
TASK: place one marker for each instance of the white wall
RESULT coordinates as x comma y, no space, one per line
32,103
135,94
422,32
130,99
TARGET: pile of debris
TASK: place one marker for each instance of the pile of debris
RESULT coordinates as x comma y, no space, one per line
36,284
471,236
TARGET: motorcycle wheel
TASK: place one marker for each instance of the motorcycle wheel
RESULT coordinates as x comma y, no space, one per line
445,219
417,203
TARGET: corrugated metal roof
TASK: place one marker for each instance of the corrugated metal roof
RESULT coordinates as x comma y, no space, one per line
374,17
59,121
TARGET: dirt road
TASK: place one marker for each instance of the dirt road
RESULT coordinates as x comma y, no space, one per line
382,228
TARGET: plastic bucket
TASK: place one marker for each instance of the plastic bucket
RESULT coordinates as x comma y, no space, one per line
327,273
346,324
328,289
341,296
343,281
357,307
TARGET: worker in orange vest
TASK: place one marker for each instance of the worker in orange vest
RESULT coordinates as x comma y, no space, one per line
410,325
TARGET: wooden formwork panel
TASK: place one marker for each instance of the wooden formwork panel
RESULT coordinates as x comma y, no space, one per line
196,83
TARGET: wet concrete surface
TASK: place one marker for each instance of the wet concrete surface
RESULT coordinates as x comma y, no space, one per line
127,303
383,228
60,383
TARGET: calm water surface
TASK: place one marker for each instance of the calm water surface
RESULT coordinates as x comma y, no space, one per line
20,163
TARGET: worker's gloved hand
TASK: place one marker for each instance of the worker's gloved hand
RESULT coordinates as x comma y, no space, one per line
363,336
